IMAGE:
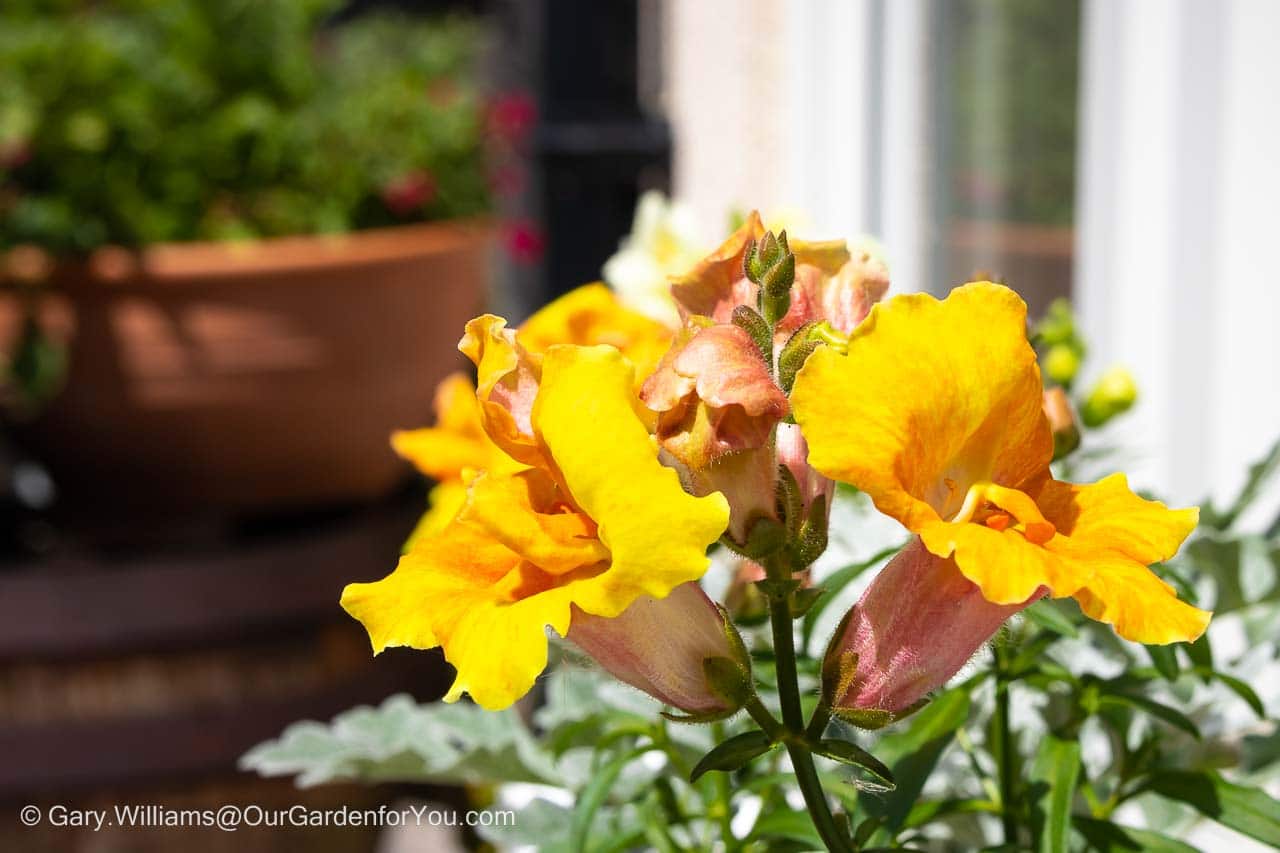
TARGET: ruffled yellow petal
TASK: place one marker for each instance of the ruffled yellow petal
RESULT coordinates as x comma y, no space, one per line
592,315
474,597
586,413
931,397
1142,607
1119,534
456,442
398,611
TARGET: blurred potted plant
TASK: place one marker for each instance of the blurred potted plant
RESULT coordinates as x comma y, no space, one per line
257,231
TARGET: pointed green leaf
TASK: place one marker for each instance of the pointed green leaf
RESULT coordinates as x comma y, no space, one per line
1053,784
734,753
852,754
1172,716
1247,810
1106,837
912,752
1048,614
597,790
1165,659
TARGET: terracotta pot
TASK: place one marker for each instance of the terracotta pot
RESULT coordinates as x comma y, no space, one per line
222,378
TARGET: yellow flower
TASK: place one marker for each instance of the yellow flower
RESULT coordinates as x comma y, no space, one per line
936,413
591,315
452,451
593,523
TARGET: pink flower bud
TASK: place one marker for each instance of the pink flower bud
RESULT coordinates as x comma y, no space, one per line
917,624
660,646
717,405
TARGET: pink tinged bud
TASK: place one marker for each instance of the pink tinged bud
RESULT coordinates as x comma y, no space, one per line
917,624
714,395
407,193
661,647
843,299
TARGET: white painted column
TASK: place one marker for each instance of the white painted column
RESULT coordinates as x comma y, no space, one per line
1176,216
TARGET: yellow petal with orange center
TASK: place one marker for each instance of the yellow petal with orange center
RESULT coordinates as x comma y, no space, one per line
657,534
931,397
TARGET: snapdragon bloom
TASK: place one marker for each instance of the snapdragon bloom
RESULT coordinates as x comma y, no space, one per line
557,539
936,412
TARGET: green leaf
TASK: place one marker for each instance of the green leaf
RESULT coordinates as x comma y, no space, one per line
1053,785
1247,810
1172,716
912,752
788,824
1106,837
852,754
405,742
927,811
1049,615
832,585
734,753
593,795
1165,659
1240,688
1200,653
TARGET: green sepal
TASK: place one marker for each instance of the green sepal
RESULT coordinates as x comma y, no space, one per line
789,500
864,718
812,540
734,753
728,680
778,588
764,537
803,599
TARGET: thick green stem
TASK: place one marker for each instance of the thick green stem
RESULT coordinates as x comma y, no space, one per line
1008,812
815,798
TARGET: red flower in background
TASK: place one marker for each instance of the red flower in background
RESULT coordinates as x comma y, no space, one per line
525,242
408,192
511,117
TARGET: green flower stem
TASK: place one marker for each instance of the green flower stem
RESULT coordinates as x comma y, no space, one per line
1008,813
815,798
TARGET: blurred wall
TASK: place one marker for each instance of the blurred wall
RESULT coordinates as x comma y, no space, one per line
1177,229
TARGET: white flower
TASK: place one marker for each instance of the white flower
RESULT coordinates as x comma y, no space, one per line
664,241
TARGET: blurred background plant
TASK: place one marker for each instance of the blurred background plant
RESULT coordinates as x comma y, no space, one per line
134,122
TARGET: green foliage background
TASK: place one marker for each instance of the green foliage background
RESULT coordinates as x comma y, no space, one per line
140,121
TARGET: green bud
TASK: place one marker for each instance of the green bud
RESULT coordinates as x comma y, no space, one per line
1114,394
794,353
779,277
790,501
774,306
750,321
1061,364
